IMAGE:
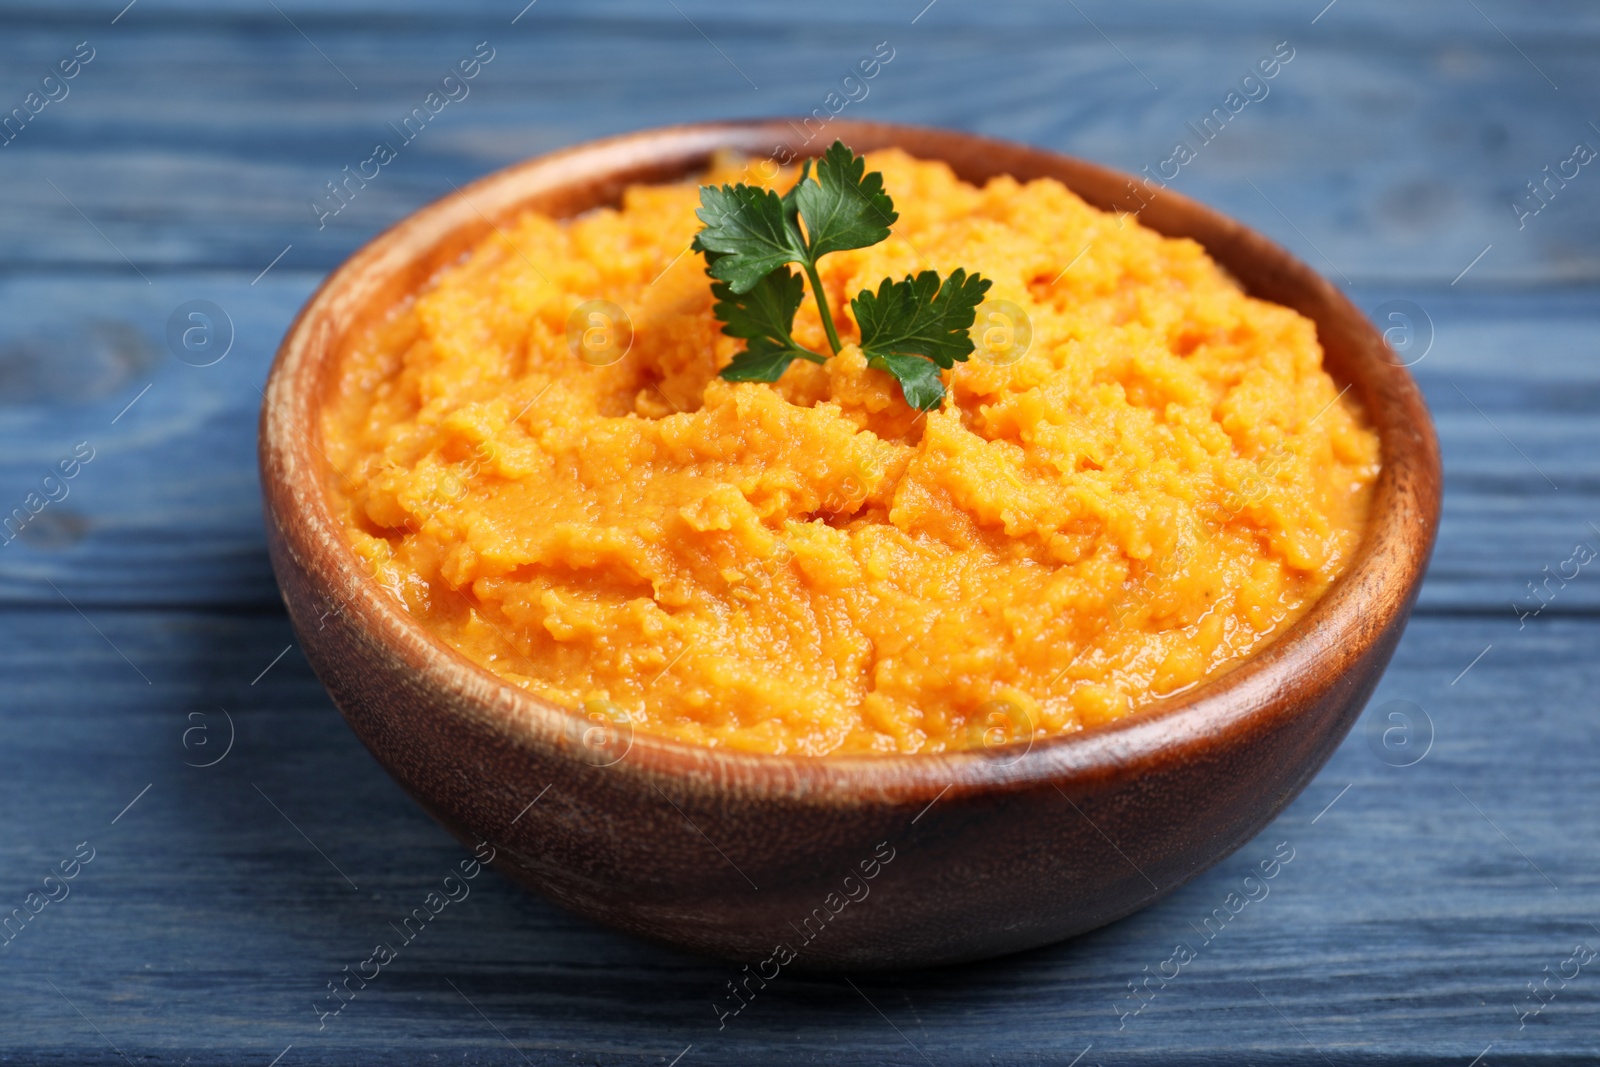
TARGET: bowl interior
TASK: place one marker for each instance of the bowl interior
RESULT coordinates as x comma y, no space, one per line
1379,583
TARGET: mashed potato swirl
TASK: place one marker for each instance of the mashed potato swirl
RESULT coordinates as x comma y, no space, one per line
1165,480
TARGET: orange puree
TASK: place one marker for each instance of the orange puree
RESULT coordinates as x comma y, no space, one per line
1165,480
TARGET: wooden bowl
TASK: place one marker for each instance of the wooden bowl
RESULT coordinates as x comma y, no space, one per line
846,862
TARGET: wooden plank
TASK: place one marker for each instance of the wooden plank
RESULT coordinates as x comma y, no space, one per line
1421,900
173,177
1403,930
168,510
1544,22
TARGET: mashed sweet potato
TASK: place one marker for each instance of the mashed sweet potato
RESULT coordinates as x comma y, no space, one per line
1165,480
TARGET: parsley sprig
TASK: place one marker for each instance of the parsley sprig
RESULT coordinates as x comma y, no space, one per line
913,329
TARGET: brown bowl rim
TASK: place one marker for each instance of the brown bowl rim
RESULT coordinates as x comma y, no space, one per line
1378,584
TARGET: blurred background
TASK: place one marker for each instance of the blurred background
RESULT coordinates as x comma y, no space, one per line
166,160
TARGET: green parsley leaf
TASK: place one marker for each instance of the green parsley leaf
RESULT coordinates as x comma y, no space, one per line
764,318
844,207
920,316
752,230
767,310
919,378
763,360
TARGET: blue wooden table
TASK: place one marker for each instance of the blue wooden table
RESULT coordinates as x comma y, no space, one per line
198,845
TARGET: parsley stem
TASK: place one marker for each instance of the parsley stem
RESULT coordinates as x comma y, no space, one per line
822,307
806,353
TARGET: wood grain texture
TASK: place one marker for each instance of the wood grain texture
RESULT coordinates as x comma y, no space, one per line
1406,927
1403,930
169,510
1393,146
